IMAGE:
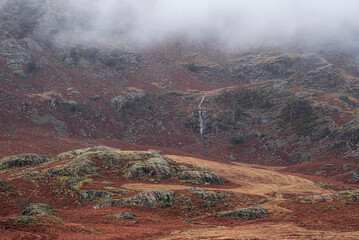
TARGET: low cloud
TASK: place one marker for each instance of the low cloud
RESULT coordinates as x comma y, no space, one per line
233,23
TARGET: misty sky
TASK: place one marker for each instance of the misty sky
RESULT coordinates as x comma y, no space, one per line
233,22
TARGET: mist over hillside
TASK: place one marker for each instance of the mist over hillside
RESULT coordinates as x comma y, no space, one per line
231,23
250,108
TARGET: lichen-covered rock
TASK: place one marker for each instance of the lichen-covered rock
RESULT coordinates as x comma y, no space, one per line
129,101
153,198
110,158
209,195
349,132
22,160
250,213
64,104
24,219
153,167
298,108
182,168
122,216
15,56
94,195
38,209
77,152
80,166
206,176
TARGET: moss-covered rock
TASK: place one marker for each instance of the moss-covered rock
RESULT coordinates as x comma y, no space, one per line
110,158
129,102
94,195
23,160
209,195
250,213
77,152
38,209
203,176
153,198
80,166
24,219
153,167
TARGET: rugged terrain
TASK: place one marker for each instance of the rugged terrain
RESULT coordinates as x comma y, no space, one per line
291,111
105,193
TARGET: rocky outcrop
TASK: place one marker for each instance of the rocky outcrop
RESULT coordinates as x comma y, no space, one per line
209,195
120,58
59,125
80,166
110,158
349,132
38,209
314,71
153,198
297,108
202,175
77,152
347,100
64,104
325,77
153,167
22,160
250,213
17,58
24,219
129,101
352,196
94,195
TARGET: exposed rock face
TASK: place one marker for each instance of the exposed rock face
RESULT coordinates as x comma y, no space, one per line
94,195
153,167
16,57
204,176
314,71
349,132
209,195
129,101
120,58
64,104
352,196
153,198
297,108
22,160
246,213
38,209
59,125
24,219
110,158
80,166
77,152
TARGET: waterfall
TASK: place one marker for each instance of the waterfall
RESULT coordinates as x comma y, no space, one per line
202,115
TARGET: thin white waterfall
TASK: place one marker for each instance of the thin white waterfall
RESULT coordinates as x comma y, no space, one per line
202,117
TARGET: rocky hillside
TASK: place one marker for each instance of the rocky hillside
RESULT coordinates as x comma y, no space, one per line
102,192
274,106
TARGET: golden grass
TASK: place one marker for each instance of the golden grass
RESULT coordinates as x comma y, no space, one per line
261,231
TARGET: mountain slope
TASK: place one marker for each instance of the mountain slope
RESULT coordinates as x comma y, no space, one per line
94,193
